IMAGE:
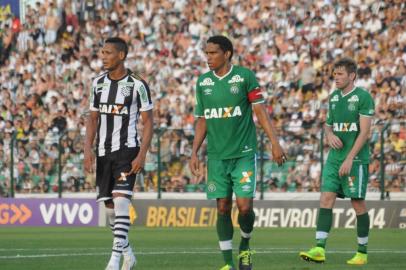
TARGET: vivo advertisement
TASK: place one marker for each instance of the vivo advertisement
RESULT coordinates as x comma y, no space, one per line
48,212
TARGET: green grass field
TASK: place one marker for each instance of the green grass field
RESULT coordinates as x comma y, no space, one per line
181,249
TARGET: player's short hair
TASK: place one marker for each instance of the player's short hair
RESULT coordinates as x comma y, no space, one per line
224,44
348,63
119,43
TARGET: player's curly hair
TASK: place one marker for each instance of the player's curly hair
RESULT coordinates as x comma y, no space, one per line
224,44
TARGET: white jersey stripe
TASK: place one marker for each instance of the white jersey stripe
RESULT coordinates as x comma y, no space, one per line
102,135
115,138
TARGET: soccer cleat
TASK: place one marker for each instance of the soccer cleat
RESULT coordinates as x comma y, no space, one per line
129,260
227,267
245,259
111,266
316,254
358,259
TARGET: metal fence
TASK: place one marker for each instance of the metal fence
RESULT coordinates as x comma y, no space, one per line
52,163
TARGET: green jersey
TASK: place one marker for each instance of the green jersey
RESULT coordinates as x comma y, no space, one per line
343,116
225,103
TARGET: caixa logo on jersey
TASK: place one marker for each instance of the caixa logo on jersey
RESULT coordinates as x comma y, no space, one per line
113,109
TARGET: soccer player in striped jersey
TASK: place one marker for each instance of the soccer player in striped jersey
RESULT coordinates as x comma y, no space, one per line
118,98
345,174
225,99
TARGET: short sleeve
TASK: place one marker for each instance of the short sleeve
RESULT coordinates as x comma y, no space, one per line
94,101
254,92
144,97
367,105
198,102
329,119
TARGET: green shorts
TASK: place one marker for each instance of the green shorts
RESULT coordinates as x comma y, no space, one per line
352,186
226,176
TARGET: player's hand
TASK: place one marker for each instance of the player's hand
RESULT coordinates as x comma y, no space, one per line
334,141
194,165
345,168
88,162
277,154
137,164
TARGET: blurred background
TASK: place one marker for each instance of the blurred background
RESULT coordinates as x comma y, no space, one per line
49,53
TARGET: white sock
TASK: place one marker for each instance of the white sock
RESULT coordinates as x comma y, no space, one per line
121,225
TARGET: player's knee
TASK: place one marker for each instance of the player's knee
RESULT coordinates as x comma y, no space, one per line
109,203
223,209
244,209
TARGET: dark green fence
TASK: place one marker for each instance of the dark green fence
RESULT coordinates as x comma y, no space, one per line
54,164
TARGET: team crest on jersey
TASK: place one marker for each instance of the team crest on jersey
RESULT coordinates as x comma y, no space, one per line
335,98
236,79
207,91
207,82
125,91
234,89
352,107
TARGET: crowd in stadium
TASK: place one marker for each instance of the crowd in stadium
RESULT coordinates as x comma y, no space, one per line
47,63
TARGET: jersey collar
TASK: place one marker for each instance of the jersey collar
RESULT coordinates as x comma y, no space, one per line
348,92
225,75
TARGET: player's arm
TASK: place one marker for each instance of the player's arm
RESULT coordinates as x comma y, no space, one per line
144,99
91,129
332,140
147,132
265,122
200,135
365,128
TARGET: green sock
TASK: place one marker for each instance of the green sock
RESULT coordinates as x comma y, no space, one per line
225,232
362,232
246,225
324,221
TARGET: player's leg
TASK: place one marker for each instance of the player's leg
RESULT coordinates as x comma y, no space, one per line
122,193
244,185
219,187
225,229
329,189
355,186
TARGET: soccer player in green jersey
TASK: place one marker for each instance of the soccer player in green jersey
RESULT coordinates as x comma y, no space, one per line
225,99
346,171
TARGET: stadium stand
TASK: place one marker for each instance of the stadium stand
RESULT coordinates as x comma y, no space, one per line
47,63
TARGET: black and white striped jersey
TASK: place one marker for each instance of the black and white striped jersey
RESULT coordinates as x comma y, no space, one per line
119,103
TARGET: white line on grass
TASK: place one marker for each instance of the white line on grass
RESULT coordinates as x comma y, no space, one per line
274,251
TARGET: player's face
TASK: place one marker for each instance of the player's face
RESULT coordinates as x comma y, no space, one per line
216,58
110,57
342,78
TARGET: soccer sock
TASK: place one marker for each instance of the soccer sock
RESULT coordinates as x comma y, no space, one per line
121,227
110,218
324,221
362,232
225,232
246,225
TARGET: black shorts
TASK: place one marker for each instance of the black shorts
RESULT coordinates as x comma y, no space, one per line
111,173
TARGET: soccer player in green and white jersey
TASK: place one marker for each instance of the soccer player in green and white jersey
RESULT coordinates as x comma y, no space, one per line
346,171
225,99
